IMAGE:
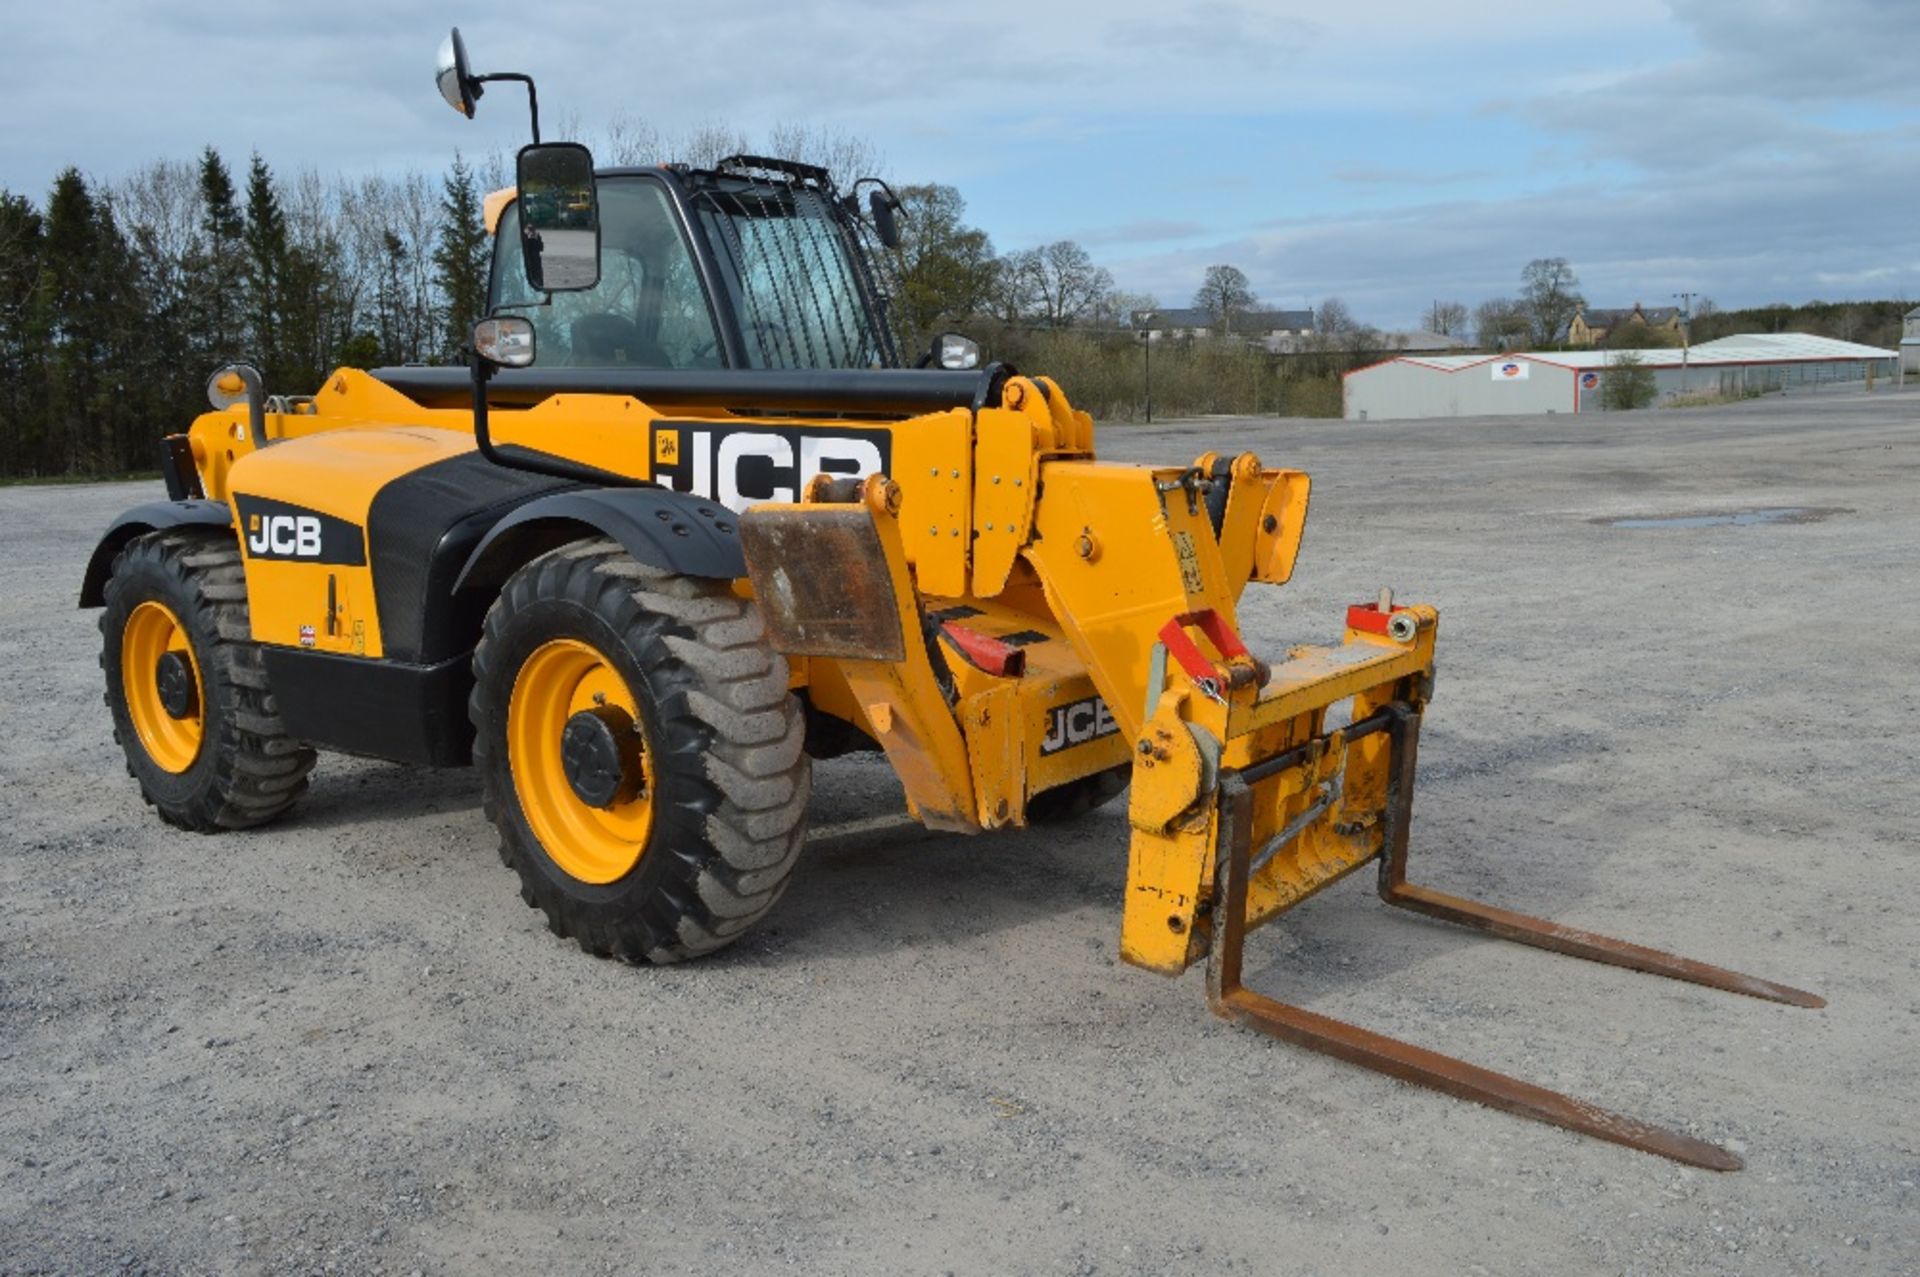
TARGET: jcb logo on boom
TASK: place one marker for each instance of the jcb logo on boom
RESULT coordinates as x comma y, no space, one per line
1076,723
743,465
281,530
292,535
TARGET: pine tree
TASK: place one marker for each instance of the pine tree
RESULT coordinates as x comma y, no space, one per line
264,269
216,270
22,350
461,258
76,342
390,299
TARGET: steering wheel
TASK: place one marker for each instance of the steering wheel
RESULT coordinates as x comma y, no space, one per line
602,339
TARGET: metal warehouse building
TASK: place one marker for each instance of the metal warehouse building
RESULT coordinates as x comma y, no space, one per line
1415,386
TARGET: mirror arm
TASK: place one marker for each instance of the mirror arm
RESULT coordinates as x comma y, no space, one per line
482,372
532,463
533,101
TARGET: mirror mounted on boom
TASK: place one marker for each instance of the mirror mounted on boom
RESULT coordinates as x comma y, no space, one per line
883,206
462,88
557,194
455,76
559,216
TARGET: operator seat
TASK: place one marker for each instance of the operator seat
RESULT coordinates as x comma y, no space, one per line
602,340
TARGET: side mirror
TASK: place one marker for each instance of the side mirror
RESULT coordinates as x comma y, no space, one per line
882,205
505,341
455,76
559,216
951,351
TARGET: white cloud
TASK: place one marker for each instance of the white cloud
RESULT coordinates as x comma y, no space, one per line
1755,148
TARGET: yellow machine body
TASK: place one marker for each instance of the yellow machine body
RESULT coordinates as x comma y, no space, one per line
997,520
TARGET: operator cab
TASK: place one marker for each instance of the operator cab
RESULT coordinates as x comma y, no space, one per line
753,264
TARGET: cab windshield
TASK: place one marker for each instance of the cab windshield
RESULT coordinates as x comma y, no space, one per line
647,311
794,281
794,278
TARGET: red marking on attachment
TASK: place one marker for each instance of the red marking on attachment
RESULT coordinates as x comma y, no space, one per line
1369,617
985,652
1184,650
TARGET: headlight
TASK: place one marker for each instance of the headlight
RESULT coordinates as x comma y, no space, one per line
951,350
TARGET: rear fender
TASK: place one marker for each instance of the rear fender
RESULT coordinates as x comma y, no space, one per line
657,526
142,519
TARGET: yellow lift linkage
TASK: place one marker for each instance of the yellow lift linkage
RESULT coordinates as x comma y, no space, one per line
1246,798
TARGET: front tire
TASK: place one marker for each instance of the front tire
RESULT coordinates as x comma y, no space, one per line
187,689
639,753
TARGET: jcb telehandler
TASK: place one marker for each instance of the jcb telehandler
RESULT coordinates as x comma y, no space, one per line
684,523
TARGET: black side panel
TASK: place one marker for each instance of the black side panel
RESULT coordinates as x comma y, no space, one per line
380,709
177,469
876,390
422,527
138,521
685,534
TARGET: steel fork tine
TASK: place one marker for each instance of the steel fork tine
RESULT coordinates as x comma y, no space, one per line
1417,1065
1404,732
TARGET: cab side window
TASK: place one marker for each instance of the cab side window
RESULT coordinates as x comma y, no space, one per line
647,311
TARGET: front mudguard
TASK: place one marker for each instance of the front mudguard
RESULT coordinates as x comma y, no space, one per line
658,526
142,519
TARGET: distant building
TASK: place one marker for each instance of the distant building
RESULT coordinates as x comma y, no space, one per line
1910,342
1417,341
1253,325
1407,387
1422,341
1590,327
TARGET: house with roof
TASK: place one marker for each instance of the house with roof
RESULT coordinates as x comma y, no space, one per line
1910,342
1263,326
1590,327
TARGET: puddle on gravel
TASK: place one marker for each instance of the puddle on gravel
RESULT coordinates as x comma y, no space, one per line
1731,518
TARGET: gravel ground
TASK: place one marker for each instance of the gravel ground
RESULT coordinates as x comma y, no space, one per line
344,1045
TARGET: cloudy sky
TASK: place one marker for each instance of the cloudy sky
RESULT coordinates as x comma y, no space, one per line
1388,153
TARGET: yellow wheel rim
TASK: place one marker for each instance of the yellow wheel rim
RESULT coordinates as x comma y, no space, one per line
152,632
592,844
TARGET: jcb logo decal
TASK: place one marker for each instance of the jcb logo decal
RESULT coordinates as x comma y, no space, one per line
1076,724
276,530
740,466
291,535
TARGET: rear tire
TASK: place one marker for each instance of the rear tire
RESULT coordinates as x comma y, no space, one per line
726,780
227,761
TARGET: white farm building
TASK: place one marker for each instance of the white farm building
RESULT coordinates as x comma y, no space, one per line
1415,386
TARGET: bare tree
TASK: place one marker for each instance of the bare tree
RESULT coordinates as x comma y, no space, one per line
160,208
1224,293
845,155
1500,323
1118,308
1332,318
1446,318
629,139
1550,291
1060,282
1010,290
